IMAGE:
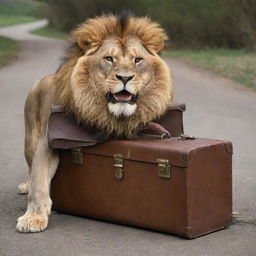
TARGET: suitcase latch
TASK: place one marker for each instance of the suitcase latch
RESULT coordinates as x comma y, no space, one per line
119,165
77,156
164,168
186,137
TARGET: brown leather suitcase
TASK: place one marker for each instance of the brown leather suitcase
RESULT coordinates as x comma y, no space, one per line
178,186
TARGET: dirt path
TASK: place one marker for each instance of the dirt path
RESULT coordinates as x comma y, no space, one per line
216,108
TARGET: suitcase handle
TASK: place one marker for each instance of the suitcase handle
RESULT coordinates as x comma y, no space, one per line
156,131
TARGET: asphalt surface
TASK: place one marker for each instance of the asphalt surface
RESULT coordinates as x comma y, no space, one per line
216,108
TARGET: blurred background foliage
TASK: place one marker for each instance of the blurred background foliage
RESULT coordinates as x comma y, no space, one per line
20,7
219,35
19,11
193,23
190,23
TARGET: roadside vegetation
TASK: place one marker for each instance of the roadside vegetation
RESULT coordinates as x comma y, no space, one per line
239,65
7,20
189,23
50,32
8,50
220,35
18,11
14,12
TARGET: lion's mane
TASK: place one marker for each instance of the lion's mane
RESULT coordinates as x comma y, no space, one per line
83,99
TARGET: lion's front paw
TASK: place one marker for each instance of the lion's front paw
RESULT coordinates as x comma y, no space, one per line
32,223
23,188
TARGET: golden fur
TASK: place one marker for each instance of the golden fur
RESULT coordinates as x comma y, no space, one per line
153,101
112,78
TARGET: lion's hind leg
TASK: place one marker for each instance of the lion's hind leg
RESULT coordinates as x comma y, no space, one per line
31,141
32,131
23,187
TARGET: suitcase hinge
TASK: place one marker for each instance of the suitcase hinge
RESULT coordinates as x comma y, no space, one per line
164,168
119,164
77,156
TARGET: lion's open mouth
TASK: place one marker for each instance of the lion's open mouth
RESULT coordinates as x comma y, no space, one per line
123,96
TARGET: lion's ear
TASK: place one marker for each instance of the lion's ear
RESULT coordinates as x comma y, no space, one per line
86,38
150,33
88,44
153,39
83,44
156,46
90,34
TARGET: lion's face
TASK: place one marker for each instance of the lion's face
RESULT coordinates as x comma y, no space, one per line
118,83
120,71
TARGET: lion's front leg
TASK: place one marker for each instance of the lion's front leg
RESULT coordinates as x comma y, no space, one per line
44,165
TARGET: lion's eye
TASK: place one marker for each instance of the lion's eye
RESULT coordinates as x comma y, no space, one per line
109,58
138,59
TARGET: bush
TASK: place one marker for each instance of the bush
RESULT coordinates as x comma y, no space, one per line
241,22
190,23
20,7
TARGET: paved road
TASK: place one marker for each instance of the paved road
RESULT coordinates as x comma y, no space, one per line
216,108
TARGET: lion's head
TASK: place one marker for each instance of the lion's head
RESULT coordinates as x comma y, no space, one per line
113,77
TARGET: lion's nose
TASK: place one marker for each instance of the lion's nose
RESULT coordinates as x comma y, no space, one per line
124,79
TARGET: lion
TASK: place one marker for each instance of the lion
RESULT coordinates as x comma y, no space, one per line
112,78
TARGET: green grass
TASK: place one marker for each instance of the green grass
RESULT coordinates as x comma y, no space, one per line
19,11
239,65
8,50
15,12
30,8
8,20
50,32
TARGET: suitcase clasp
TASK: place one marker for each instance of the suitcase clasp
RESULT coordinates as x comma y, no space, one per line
77,156
186,137
119,164
164,168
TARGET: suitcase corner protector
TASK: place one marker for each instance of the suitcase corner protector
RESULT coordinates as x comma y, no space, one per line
187,232
229,147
